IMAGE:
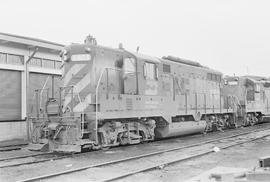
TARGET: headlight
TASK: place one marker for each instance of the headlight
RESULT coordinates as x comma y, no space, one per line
88,49
64,55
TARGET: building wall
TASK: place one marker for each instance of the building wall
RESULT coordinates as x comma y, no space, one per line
38,81
10,95
45,62
13,130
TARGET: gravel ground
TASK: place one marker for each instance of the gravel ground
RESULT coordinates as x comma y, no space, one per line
242,156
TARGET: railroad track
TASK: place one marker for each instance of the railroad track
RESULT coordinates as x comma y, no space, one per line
28,159
117,169
8,148
31,159
24,156
35,158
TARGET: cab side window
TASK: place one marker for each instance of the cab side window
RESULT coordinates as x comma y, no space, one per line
257,88
150,71
129,66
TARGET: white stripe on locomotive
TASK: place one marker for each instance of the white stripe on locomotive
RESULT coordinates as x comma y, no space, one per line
83,105
84,82
71,72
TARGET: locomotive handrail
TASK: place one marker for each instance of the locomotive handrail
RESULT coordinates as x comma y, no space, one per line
96,106
38,95
82,115
72,105
72,93
120,70
111,68
61,117
117,69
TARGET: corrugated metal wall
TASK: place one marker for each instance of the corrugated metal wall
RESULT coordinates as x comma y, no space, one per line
39,81
10,95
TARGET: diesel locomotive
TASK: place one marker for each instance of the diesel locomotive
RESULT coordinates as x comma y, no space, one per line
111,96
252,93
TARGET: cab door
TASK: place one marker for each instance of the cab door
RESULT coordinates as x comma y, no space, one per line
130,76
150,72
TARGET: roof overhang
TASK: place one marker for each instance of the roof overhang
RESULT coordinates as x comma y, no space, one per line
30,42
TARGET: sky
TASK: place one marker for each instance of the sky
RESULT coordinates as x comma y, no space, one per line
231,36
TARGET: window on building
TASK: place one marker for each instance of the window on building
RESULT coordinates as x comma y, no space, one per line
35,62
3,58
15,59
150,71
47,63
6,58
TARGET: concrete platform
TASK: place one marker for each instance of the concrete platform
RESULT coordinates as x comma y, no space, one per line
14,142
13,130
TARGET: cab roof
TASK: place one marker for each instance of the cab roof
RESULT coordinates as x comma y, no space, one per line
145,57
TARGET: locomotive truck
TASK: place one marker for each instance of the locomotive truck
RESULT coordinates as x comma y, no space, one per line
111,97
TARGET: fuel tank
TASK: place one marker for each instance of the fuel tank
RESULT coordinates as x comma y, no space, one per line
180,128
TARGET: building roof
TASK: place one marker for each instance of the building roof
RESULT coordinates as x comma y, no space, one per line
257,78
32,42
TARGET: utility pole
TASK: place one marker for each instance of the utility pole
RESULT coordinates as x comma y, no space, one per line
247,71
27,92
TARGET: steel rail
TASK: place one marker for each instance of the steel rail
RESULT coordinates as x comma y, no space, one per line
25,156
36,161
141,156
178,160
6,149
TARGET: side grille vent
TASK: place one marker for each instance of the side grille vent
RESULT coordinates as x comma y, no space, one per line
129,104
166,68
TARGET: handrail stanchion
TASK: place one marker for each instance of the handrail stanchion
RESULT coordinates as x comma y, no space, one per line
72,103
37,103
96,116
60,102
